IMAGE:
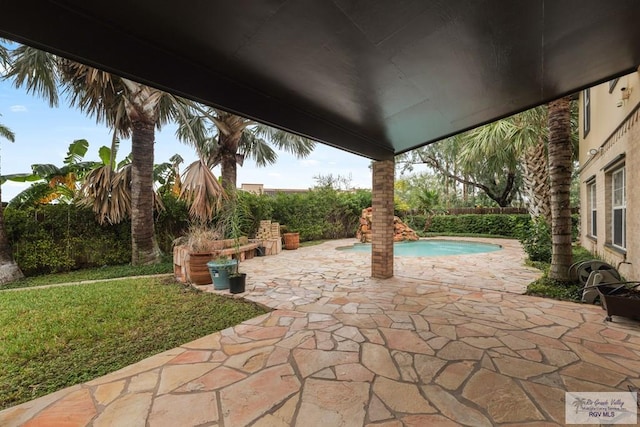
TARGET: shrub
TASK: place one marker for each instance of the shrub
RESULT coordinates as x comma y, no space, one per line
317,214
55,238
496,224
171,222
536,240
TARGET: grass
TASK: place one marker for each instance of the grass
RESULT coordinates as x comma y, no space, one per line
56,337
311,243
549,288
107,272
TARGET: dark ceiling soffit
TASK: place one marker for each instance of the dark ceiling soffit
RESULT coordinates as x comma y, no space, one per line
30,23
574,94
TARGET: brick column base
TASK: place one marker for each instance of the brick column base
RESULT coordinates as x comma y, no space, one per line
382,219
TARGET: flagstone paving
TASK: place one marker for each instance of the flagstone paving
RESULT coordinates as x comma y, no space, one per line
448,341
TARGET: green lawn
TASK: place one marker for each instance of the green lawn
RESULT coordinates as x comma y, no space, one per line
56,337
107,272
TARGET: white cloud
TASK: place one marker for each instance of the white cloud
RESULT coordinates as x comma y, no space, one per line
309,162
274,174
18,109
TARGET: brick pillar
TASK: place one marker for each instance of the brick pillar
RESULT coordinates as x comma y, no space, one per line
382,220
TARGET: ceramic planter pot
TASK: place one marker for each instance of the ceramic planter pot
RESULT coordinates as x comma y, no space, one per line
220,270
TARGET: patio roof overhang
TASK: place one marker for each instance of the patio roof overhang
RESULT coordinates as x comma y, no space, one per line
373,77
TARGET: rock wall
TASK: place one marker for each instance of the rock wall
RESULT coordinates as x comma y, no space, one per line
401,231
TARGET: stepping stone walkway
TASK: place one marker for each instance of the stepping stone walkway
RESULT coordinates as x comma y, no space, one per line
449,341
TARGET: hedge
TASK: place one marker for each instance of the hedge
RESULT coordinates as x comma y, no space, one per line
512,225
502,225
317,214
53,238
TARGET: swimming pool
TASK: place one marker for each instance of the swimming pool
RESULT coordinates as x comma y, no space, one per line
430,248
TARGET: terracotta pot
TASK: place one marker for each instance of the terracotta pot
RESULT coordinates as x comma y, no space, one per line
197,270
291,240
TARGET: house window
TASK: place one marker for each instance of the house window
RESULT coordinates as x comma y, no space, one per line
586,108
593,225
619,208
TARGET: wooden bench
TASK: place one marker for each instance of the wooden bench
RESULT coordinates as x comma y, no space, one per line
243,252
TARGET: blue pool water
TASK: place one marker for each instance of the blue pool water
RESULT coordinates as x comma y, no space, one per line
430,248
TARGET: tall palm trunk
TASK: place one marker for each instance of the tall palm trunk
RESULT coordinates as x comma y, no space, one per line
560,156
536,180
229,143
9,270
142,109
228,170
144,247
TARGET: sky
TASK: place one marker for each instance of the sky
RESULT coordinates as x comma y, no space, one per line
43,135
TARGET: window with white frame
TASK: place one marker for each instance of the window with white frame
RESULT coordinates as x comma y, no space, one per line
586,111
593,224
619,209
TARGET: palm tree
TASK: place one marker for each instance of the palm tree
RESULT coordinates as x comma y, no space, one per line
106,189
494,157
531,133
130,108
9,270
225,139
480,160
560,168
4,54
517,145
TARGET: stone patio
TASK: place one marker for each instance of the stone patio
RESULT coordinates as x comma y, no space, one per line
448,341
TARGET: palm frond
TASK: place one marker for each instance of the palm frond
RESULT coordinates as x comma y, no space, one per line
37,71
107,193
192,127
297,145
256,148
5,55
97,93
201,191
7,133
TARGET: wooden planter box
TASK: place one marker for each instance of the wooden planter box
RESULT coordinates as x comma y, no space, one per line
182,258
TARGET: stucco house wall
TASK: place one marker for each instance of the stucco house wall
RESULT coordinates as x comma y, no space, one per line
609,149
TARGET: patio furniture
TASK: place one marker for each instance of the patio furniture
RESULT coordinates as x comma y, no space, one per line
620,300
603,281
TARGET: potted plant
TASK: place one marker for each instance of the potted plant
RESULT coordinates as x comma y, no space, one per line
220,271
235,219
200,242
